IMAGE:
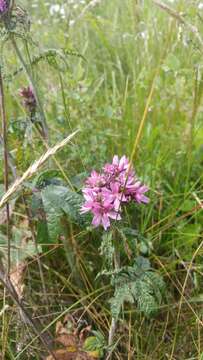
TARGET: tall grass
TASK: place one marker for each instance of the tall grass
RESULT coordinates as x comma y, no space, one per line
129,74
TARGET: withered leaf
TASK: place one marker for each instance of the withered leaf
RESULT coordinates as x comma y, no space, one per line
16,277
84,333
68,335
67,340
64,337
60,329
64,354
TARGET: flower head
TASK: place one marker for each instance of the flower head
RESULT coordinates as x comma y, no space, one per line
3,6
29,100
106,192
95,180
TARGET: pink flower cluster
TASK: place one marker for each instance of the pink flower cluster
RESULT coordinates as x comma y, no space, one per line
3,6
105,192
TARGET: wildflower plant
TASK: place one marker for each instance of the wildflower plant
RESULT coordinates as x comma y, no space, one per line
106,193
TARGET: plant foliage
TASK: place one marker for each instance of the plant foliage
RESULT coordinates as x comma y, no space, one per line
60,201
137,284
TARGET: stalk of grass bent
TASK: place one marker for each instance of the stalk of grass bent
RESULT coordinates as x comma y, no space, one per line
34,168
55,160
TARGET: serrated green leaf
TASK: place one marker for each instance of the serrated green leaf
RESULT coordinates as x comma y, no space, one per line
138,284
59,201
42,232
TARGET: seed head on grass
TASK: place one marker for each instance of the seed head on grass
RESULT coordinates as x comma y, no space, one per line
106,192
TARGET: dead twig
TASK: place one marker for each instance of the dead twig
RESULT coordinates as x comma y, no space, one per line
26,317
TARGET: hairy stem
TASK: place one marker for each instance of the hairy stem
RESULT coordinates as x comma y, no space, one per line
6,165
113,327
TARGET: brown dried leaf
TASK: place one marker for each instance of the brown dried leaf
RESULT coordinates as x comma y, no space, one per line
84,333
70,319
67,334
16,277
60,329
64,354
67,340
65,337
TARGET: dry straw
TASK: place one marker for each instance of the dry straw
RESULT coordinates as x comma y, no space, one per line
180,18
34,167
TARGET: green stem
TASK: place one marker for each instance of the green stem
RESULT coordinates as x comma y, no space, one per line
112,330
30,76
6,161
32,82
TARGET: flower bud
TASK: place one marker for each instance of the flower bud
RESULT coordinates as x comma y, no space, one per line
29,100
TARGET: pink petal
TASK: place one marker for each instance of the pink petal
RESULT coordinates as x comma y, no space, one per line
115,160
105,221
84,209
117,204
96,220
145,199
114,215
123,162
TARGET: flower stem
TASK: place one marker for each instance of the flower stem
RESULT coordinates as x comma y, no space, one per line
113,326
32,82
44,136
6,165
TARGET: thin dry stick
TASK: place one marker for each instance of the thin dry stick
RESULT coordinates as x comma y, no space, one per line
44,337
6,171
176,15
34,167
